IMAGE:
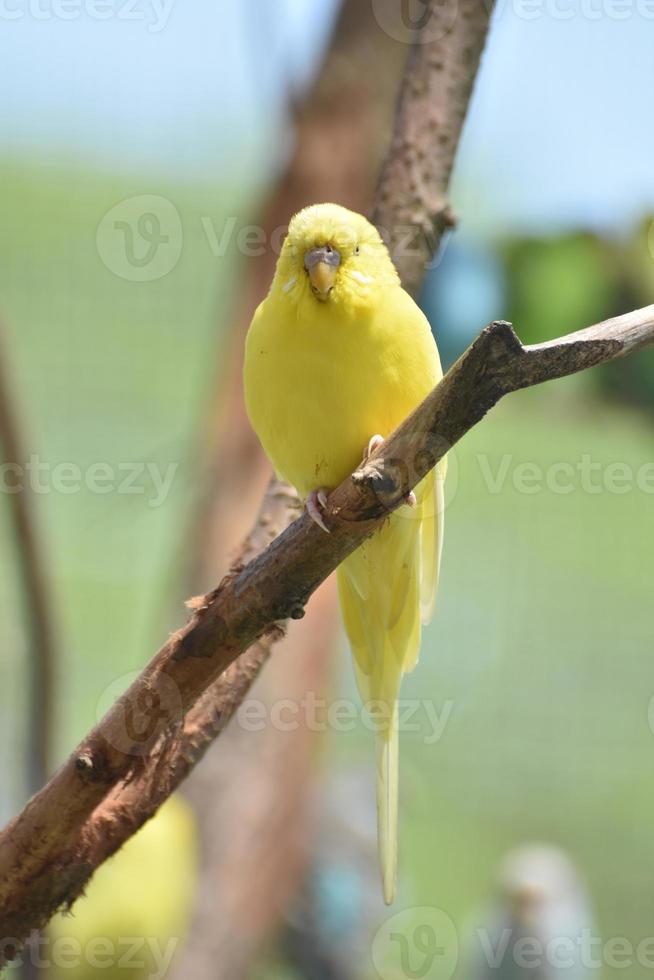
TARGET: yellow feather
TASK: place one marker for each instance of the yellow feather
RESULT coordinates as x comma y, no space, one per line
387,792
321,377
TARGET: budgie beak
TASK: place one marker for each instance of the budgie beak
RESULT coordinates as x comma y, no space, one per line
322,265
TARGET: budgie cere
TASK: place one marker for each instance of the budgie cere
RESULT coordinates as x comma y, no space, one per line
337,355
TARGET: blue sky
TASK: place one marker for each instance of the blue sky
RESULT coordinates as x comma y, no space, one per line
560,132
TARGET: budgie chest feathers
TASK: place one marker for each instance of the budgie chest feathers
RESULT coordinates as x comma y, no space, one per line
322,376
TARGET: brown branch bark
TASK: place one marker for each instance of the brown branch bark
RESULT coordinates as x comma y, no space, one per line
128,806
255,792
412,209
44,857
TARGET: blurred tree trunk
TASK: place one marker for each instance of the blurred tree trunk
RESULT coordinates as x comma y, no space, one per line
251,792
37,606
29,567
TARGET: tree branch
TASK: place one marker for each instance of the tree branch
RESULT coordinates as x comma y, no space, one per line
44,861
412,210
127,807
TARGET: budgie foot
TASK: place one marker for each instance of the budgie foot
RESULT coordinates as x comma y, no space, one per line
315,505
374,443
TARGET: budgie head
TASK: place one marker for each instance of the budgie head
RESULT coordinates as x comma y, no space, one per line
332,256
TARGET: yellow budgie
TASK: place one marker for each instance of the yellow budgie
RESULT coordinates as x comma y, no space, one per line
135,912
337,355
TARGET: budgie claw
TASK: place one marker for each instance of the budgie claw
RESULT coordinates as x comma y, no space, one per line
315,505
374,443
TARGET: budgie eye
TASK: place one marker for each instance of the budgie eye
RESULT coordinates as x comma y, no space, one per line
357,250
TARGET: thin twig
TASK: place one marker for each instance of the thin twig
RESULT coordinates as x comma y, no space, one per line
29,565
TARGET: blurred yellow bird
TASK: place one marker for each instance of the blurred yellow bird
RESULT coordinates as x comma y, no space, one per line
135,913
337,355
